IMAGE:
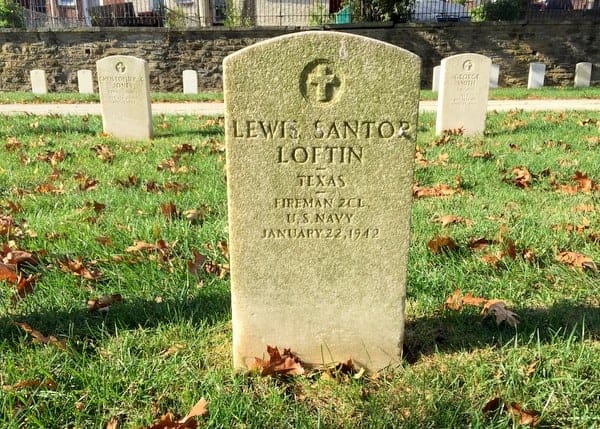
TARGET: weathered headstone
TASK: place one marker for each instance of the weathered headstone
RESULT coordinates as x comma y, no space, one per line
38,81
494,76
85,81
190,82
124,88
463,97
320,136
583,75
536,75
435,82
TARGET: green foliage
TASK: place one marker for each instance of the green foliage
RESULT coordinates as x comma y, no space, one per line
176,18
234,16
500,10
11,14
388,10
318,14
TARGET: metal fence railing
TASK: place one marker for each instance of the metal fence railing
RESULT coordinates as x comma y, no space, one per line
245,13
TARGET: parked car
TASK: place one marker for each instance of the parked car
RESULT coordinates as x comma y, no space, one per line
439,11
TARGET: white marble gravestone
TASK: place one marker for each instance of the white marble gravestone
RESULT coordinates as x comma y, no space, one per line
435,82
463,97
123,83
536,75
320,136
190,82
38,81
494,76
85,81
583,75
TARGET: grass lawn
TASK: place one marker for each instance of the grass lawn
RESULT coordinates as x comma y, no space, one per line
495,94
85,216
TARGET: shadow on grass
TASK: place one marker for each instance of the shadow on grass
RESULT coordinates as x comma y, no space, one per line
451,331
79,326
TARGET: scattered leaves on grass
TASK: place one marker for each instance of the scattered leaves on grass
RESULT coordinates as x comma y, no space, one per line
522,416
196,263
48,384
582,184
52,158
482,155
103,240
103,153
521,177
278,364
577,260
495,307
441,244
169,211
38,337
104,302
169,421
437,190
78,268
446,220
525,417
498,308
185,148
480,243
130,182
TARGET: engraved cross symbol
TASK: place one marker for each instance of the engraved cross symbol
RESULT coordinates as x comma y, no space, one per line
468,65
120,67
323,79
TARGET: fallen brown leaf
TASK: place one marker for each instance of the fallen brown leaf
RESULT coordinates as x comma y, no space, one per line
498,309
279,364
38,337
441,244
526,417
103,302
577,260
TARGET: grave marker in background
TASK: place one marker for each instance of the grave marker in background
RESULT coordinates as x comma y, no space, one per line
320,135
38,81
494,76
536,75
190,82
435,83
583,75
85,81
463,97
124,88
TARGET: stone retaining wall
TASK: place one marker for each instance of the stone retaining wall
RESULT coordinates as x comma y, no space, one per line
512,45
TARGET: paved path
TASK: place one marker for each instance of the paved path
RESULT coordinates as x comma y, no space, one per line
217,108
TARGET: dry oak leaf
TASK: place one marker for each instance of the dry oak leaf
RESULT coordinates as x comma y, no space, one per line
168,421
77,268
441,244
169,211
24,287
197,263
522,177
498,309
103,302
437,190
456,301
526,417
103,153
38,337
8,272
577,260
451,219
279,364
